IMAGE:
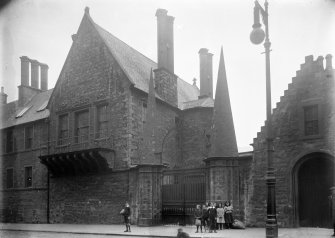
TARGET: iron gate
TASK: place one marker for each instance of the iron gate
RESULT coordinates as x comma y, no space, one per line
182,190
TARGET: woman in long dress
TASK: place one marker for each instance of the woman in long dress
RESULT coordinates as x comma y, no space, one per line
220,216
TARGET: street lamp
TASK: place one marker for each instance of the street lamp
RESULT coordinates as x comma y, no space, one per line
257,37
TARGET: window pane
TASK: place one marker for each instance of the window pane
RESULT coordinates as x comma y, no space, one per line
63,129
102,122
311,120
28,176
9,141
82,126
10,174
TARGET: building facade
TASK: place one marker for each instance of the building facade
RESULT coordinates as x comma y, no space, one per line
120,127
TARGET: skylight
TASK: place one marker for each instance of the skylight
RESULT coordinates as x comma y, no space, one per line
22,112
43,106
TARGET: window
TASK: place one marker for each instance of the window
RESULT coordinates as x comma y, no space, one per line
81,127
63,133
28,137
9,141
102,122
28,176
144,111
311,122
10,178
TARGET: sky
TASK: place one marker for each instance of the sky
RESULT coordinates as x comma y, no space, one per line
42,29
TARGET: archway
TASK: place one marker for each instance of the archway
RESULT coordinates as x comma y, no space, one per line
314,176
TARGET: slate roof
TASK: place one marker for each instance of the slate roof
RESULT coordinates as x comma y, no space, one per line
11,110
202,102
137,67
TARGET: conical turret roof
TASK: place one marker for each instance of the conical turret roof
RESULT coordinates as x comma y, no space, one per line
223,141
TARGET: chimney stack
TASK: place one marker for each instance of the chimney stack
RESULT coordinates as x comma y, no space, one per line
34,73
44,76
3,97
206,73
165,48
24,70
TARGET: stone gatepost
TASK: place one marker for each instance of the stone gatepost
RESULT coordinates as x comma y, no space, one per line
223,181
149,194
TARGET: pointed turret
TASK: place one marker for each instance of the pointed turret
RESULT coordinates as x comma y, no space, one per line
147,147
223,142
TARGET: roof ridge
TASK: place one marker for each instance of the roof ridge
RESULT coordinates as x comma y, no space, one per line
97,25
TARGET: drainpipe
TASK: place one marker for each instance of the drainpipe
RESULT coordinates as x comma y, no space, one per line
48,174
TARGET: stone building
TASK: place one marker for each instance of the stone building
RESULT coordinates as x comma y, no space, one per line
303,131
120,127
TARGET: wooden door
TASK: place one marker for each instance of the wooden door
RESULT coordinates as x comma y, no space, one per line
315,177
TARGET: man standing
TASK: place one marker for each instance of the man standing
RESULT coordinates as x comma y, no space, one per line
126,215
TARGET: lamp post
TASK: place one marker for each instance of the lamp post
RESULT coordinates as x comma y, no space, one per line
257,37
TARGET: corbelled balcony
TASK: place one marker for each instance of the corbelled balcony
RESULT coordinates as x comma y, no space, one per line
78,155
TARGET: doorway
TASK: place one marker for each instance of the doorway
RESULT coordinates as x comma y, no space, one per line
315,176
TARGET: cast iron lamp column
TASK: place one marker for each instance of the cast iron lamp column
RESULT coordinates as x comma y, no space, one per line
257,37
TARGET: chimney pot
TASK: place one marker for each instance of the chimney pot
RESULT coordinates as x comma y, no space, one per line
44,76
309,59
329,64
24,70
3,97
34,73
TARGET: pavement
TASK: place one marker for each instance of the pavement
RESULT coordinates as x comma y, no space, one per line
161,231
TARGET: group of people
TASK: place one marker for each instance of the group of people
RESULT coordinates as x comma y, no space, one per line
213,217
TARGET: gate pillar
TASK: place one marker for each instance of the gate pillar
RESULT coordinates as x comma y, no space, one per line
149,194
223,181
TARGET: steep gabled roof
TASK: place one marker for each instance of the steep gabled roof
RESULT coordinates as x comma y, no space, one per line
137,66
13,115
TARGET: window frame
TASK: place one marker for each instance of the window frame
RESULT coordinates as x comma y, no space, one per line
314,120
76,135
98,133
12,144
311,102
26,177
61,140
12,179
25,137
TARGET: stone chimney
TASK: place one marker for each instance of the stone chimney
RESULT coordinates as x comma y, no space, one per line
165,48
206,73
3,97
24,70
34,73
44,76
28,90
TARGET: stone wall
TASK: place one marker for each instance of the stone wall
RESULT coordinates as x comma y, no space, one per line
20,203
313,85
166,86
166,133
195,136
94,199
